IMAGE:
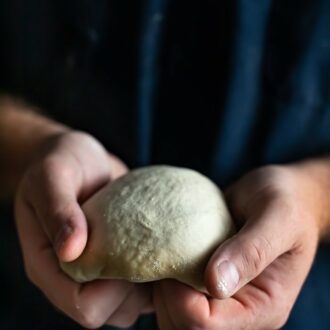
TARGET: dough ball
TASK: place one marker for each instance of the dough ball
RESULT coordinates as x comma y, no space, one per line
155,222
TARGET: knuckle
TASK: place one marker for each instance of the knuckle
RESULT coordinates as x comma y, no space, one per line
255,254
202,323
281,317
62,213
276,309
90,317
124,321
280,321
30,274
45,171
52,166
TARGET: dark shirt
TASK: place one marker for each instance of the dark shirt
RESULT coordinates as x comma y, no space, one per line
218,86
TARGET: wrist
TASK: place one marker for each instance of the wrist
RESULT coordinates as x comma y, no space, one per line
314,183
23,131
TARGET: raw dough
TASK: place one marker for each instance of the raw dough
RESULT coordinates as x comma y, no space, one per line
155,222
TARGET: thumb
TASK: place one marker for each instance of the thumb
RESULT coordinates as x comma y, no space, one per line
244,256
54,201
68,230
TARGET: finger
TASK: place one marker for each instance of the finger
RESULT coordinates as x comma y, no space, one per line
90,304
130,309
248,253
118,168
264,303
187,307
52,193
162,314
248,309
193,310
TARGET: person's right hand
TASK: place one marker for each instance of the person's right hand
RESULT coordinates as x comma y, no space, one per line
52,227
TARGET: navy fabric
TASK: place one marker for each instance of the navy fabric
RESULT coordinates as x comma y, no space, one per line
218,86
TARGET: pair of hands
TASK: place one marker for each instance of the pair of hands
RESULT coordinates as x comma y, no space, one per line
259,271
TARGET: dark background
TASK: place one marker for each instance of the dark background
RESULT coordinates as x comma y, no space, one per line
46,54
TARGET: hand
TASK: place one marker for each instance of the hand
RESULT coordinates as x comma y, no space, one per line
51,226
255,276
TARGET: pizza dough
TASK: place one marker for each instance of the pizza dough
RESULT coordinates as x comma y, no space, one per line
155,222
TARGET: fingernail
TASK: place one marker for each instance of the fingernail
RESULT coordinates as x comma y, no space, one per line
62,236
228,278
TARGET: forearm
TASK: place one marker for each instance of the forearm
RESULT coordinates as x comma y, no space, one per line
22,131
315,174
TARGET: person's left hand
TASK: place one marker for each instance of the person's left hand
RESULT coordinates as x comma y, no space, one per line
261,269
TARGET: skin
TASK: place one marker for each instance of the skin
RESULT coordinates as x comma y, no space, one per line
281,211
70,168
61,169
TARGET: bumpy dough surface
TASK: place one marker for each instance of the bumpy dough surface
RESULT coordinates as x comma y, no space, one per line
155,222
